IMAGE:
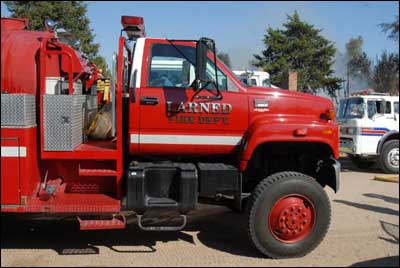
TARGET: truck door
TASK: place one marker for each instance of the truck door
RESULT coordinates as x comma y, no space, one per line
10,154
174,119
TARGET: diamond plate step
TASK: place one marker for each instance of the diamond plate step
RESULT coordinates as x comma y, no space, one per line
88,172
114,223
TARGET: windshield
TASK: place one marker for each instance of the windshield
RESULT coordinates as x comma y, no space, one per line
351,108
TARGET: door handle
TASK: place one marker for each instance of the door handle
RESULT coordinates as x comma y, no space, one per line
149,101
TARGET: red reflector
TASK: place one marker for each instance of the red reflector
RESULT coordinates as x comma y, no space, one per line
300,132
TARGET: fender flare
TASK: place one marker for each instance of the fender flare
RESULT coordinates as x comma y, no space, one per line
284,133
384,139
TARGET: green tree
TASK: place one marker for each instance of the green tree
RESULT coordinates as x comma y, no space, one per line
358,65
392,28
70,14
386,73
102,65
300,47
354,47
224,57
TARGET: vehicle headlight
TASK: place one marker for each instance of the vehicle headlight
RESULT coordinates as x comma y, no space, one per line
352,131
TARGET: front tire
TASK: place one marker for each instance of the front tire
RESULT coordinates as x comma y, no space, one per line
389,157
289,215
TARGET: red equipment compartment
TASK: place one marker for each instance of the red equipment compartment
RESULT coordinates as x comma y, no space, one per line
24,142
10,154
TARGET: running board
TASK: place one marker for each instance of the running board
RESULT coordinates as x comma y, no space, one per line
162,228
114,223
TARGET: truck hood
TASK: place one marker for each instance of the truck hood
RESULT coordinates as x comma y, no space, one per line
287,104
284,93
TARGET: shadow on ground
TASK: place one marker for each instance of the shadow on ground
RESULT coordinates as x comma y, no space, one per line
219,229
348,166
381,262
373,208
391,230
385,198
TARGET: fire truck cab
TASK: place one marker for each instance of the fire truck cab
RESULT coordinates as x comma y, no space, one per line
179,129
369,130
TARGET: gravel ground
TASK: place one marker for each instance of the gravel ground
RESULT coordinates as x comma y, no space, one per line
364,232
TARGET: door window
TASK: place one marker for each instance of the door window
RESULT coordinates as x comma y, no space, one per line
376,107
396,107
388,108
172,66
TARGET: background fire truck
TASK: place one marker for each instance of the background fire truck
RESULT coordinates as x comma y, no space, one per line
166,139
369,130
255,78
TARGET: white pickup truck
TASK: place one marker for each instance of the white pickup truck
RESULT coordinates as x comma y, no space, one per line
254,78
369,130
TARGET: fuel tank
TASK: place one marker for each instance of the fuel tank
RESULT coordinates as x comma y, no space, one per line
20,57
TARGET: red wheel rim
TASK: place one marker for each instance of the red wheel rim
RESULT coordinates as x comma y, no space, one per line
292,218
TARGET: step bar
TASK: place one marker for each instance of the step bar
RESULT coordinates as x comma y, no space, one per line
86,172
162,228
113,224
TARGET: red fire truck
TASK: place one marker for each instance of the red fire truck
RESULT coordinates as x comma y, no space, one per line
184,130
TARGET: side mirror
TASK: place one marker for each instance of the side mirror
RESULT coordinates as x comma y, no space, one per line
201,62
49,24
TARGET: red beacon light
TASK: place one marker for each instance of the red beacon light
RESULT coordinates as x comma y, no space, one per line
133,26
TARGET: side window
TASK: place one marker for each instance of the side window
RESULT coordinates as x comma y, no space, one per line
222,79
254,82
375,107
266,83
388,109
171,66
396,107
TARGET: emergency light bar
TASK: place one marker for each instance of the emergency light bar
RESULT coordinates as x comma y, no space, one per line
133,26
369,92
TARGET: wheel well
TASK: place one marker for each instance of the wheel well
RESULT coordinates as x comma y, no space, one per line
393,136
309,158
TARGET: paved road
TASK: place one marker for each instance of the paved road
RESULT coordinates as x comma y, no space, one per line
364,232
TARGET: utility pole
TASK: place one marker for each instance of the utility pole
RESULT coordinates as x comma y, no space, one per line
348,81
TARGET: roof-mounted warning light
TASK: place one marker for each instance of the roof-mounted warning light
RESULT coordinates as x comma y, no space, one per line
133,26
370,92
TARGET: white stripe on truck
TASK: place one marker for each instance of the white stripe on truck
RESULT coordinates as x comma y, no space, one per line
185,139
13,151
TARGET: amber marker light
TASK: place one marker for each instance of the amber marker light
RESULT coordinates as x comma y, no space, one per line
327,131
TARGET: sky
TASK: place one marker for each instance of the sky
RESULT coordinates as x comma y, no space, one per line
239,27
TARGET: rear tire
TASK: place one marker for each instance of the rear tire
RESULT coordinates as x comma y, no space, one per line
280,235
389,157
361,163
